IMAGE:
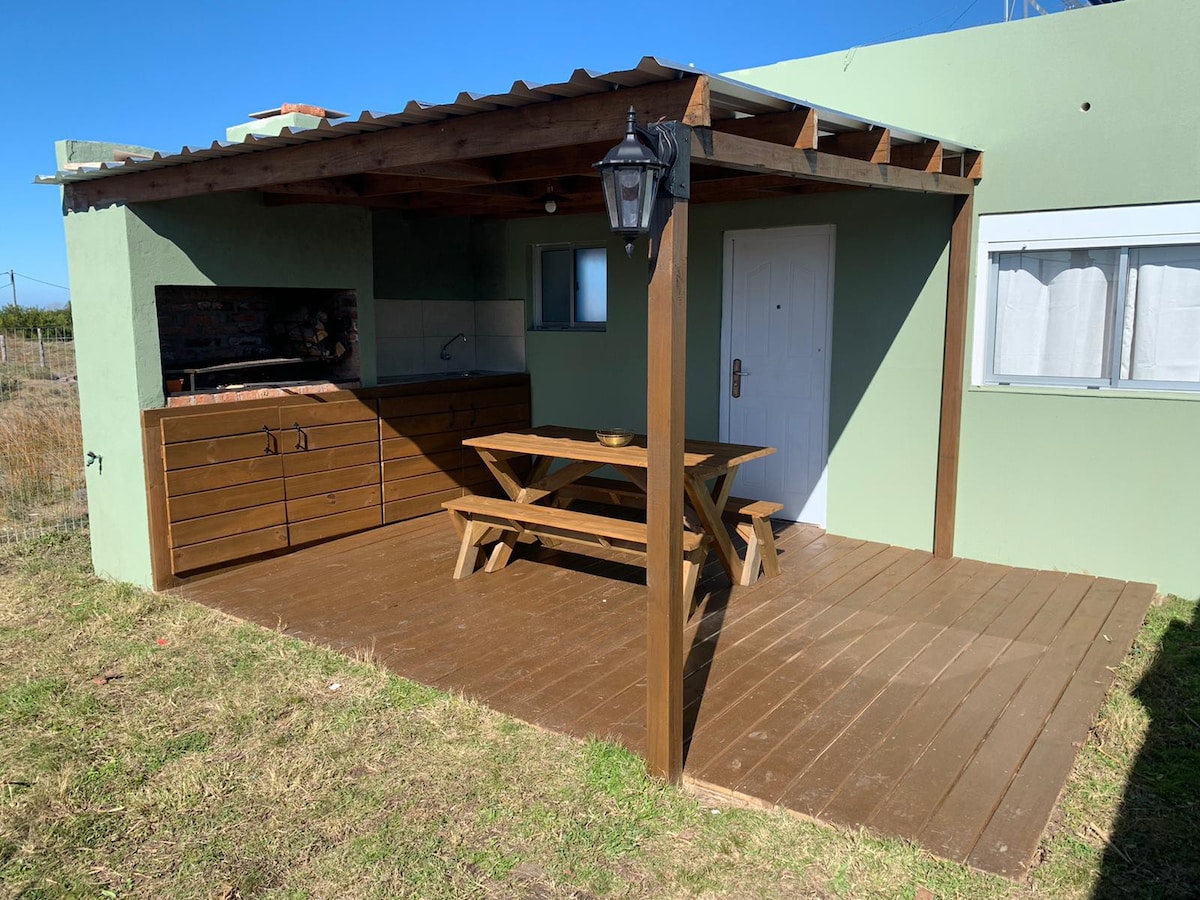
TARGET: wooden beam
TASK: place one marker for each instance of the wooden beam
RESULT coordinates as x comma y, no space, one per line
321,187
477,172
925,156
667,331
797,128
953,359
755,187
873,146
735,152
969,164
539,126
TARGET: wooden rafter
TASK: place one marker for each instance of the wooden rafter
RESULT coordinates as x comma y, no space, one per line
537,127
873,146
736,152
797,128
925,156
969,164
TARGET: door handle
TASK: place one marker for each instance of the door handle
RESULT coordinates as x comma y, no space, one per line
736,386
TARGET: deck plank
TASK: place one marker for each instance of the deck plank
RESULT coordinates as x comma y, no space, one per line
938,700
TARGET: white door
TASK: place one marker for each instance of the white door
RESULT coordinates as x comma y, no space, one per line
777,322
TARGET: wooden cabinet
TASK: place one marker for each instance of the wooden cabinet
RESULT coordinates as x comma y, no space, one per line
238,480
424,461
331,468
224,486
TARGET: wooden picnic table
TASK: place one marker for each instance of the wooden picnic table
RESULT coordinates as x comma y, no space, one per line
703,462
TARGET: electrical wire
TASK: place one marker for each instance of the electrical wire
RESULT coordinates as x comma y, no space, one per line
961,14
61,287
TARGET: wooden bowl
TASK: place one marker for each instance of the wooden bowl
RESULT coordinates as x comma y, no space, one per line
614,437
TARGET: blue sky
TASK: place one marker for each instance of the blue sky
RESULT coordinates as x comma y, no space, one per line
168,75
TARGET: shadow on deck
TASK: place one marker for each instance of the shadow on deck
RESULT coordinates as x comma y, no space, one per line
937,700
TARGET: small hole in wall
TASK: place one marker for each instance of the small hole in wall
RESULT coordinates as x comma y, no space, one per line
1085,106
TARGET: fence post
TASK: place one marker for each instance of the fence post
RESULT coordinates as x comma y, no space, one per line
4,349
41,350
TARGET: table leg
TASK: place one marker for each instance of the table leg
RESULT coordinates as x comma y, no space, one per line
503,472
468,551
710,516
502,552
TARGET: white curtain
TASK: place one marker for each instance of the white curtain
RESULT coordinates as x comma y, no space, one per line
1053,310
1161,333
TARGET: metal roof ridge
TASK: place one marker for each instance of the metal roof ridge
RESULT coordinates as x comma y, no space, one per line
582,81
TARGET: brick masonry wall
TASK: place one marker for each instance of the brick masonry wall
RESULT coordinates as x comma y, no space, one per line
202,326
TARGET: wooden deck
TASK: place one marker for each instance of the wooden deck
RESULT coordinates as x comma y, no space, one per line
937,700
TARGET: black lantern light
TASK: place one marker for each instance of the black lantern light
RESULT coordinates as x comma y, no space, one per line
630,173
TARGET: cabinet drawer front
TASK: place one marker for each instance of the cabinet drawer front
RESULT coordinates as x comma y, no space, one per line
417,405
339,412
332,502
403,447
509,396
404,488
211,553
334,526
421,505
222,475
189,454
222,500
227,423
227,524
323,437
298,486
422,465
328,460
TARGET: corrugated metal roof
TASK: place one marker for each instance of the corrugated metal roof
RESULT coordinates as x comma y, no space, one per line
727,96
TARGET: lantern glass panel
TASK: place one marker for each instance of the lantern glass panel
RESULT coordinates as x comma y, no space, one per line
630,197
649,192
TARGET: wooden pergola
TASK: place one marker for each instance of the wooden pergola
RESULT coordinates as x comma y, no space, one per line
500,155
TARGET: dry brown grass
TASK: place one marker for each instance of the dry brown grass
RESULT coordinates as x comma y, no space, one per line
41,457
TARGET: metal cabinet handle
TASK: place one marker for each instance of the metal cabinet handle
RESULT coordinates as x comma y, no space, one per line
301,437
267,431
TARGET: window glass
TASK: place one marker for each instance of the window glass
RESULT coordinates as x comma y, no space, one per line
1161,332
572,287
1053,312
556,287
591,284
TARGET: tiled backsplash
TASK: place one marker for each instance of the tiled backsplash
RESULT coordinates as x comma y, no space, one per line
410,335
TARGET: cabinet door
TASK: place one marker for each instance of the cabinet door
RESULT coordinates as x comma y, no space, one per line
424,462
331,468
421,451
224,486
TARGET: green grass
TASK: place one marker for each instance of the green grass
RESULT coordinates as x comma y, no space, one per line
214,760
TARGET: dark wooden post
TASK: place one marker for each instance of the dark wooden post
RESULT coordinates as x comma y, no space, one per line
953,356
664,489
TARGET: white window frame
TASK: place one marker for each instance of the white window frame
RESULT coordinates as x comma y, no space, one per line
1123,227
539,325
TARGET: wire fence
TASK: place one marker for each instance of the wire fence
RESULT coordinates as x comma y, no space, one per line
41,458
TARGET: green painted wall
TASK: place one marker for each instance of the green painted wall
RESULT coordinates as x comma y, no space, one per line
889,303
117,256
438,259
1086,481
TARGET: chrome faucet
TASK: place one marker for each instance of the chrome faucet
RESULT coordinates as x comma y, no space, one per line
445,354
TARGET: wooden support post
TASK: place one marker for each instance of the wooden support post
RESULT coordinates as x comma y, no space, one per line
664,489
41,349
953,357
4,349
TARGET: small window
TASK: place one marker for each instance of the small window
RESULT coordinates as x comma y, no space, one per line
572,287
1068,307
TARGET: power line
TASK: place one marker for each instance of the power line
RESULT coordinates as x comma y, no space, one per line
961,14
61,287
